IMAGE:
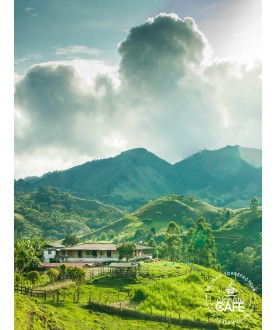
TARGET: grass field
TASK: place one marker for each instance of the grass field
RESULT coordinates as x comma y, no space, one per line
163,288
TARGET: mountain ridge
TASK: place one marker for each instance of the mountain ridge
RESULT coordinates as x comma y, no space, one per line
134,176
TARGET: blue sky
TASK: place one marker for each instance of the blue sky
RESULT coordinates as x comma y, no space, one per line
43,26
96,77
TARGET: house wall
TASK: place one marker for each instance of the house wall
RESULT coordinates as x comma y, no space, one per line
47,254
73,255
143,253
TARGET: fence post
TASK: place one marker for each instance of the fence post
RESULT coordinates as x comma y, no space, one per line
45,295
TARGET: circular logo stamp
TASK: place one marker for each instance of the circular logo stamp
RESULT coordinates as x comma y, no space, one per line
230,304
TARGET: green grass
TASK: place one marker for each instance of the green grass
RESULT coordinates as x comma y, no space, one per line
163,287
33,314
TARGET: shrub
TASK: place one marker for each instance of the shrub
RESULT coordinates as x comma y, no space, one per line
140,294
33,276
53,274
193,277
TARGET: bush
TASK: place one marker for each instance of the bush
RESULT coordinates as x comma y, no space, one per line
33,276
140,294
53,274
193,277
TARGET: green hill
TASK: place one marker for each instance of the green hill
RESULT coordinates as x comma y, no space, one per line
158,213
52,214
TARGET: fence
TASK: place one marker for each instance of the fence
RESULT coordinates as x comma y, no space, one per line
159,318
31,292
103,303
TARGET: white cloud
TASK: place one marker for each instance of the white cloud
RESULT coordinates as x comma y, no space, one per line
76,49
164,96
31,11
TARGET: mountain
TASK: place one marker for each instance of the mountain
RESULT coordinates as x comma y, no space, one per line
222,176
230,176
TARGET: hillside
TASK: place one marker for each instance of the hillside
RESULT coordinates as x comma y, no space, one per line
162,289
239,245
157,214
52,214
237,232
228,176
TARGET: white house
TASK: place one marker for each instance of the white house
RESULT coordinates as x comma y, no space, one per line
50,251
89,252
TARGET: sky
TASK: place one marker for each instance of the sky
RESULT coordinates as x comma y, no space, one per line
96,77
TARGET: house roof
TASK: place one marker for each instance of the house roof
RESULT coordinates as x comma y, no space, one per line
93,246
143,247
53,245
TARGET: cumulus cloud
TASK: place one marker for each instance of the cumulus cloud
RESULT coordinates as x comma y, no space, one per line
163,96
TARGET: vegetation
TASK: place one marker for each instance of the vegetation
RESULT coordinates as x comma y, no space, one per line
204,237
171,288
52,214
201,244
126,250
226,177
27,255
71,240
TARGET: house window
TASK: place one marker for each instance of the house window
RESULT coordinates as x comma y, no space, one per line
79,254
92,253
109,254
49,252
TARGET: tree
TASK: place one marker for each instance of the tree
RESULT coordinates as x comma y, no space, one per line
254,205
27,255
153,230
126,250
103,237
71,240
152,242
63,269
111,233
228,215
76,274
33,276
174,247
201,244
53,274
139,233
173,228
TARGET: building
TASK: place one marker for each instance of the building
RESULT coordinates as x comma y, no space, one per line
90,252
